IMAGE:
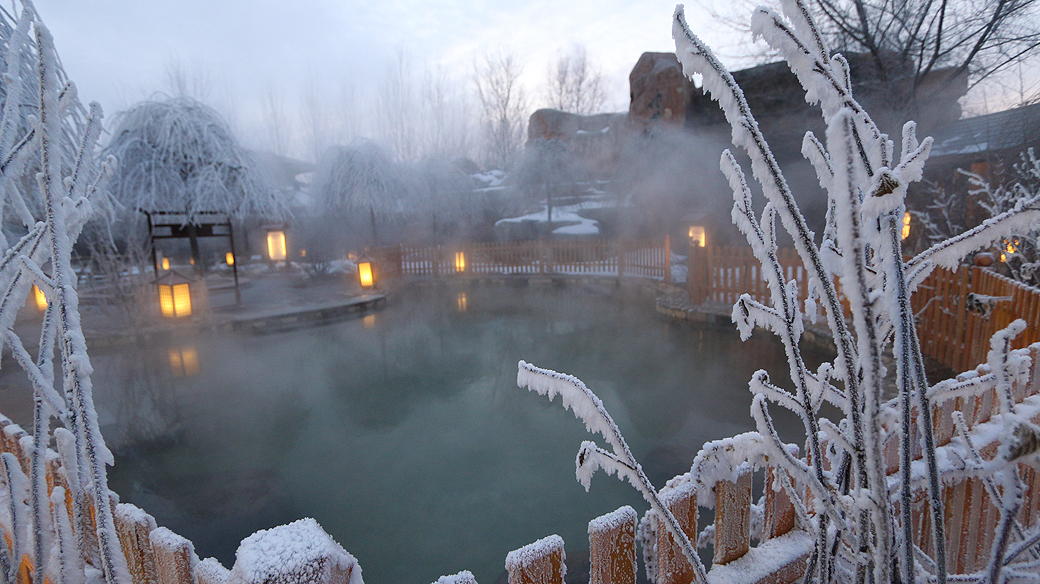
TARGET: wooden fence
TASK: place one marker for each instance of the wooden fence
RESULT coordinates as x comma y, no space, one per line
773,549
621,258
782,548
957,311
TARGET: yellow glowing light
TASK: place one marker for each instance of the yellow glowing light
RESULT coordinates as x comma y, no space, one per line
364,270
460,261
175,300
303,253
276,245
906,225
462,302
41,300
229,258
370,321
184,362
351,256
697,236
166,263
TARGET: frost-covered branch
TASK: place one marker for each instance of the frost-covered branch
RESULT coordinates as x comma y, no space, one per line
588,408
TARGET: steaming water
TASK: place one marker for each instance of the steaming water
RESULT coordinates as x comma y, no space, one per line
404,434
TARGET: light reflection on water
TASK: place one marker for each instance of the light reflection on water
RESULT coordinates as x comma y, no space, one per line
405,435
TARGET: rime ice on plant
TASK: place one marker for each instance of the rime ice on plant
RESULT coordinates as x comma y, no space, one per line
50,176
855,513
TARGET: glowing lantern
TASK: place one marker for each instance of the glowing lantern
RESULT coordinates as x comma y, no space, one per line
906,224
462,302
166,263
370,321
229,258
698,236
41,300
366,272
174,295
460,261
1009,248
303,253
276,245
184,362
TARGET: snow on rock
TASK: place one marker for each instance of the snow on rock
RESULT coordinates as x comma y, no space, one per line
298,553
463,577
541,562
210,571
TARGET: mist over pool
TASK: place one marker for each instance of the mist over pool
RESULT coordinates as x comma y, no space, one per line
403,432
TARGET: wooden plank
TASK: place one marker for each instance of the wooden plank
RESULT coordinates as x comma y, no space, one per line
733,518
779,508
612,547
134,526
541,562
672,565
174,557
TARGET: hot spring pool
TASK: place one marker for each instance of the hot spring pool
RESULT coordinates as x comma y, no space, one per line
404,434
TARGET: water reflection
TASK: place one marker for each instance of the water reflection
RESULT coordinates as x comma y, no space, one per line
405,436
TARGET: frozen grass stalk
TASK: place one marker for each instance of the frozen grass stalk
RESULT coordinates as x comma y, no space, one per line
46,133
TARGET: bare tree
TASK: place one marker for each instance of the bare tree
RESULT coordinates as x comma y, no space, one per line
180,82
445,116
575,85
277,123
906,42
396,108
503,105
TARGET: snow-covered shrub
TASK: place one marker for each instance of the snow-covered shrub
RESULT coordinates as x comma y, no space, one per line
45,144
855,512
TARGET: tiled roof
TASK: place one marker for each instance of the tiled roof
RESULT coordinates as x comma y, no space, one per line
1010,130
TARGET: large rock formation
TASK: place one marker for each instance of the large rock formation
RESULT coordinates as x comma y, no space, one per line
659,92
595,140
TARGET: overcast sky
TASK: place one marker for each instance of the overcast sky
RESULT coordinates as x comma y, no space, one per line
119,51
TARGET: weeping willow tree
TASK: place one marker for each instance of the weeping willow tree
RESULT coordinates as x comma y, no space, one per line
179,156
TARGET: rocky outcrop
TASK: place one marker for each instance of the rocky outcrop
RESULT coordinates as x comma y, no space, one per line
595,140
659,92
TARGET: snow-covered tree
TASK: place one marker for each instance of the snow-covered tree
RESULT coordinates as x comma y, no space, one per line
360,178
859,518
178,155
67,193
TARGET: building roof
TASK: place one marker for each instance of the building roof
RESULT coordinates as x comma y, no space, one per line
1011,130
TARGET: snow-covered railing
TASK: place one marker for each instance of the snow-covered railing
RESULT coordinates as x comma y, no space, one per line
300,552
620,258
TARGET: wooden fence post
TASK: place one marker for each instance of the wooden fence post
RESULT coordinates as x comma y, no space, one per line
541,562
672,565
667,259
612,547
697,274
175,557
779,509
134,528
210,571
299,552
733,518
